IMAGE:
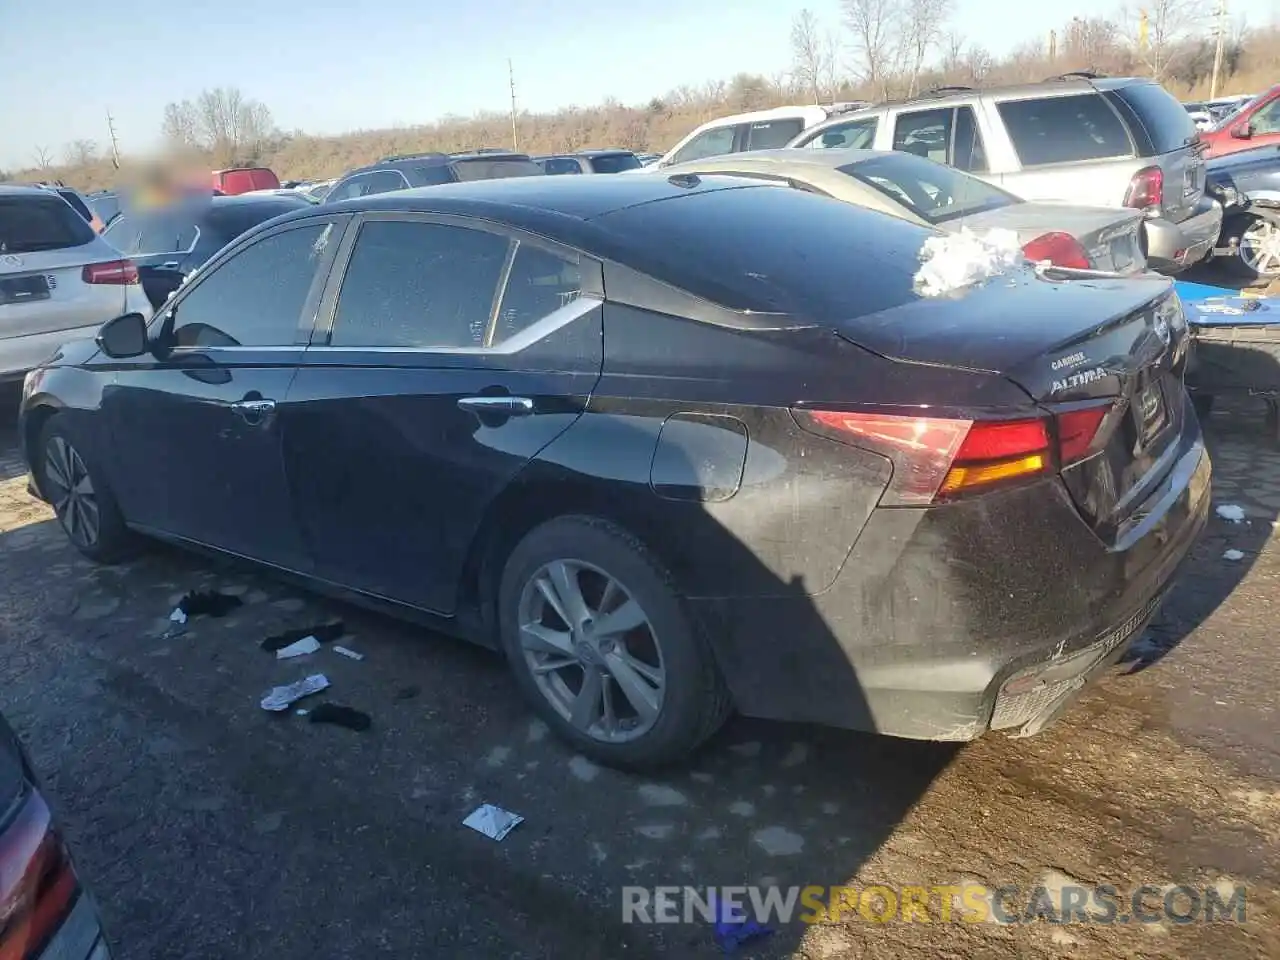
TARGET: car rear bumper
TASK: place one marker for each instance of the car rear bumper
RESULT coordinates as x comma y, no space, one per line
1172,247
950,621
18,355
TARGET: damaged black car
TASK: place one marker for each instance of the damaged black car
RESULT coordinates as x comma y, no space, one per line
675,446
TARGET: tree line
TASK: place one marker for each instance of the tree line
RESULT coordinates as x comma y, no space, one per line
864,49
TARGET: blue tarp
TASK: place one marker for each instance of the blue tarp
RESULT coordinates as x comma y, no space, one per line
1194,292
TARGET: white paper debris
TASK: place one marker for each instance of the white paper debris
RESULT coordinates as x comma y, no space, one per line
299,648
494,822
301,712
282,698
957,260
179,615
1229,511
1233,555
348,653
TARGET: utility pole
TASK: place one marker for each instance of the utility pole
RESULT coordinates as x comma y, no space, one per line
1221,30
511,76
115,144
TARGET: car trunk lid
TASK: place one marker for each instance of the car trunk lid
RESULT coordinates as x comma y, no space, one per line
1109,235
1117,346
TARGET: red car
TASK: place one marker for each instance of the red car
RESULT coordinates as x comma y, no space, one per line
1256,124
243,179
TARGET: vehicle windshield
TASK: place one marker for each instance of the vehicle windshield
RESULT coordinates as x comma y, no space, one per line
29,224
931,191
615,162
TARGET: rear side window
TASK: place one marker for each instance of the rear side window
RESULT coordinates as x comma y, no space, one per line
561,165
32,223
255,298
540,283
709,143
932,191
483,168
771,134
430,176
419,285
615,163
1165,121
1064,129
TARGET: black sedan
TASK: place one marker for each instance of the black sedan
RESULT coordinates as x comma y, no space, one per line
675,445
170,242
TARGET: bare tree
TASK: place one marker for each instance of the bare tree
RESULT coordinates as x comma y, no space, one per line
44,159
871,23
831,66
808,54
920,25
1158,29
1089,43
229,126
81,153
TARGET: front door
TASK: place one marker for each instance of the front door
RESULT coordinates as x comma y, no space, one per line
198,426
455,354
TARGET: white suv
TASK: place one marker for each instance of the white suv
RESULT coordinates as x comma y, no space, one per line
59,280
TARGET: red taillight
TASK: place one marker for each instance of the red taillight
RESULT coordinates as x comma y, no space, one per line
1060,249
1146,189
37,884
935,458
113,271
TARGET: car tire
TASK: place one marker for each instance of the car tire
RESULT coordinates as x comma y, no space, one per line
663,661
1247,231
80,497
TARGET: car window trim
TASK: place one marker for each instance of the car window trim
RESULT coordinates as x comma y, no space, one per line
591,269
310,306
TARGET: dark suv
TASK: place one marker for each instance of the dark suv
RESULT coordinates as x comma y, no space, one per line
430,169
589,161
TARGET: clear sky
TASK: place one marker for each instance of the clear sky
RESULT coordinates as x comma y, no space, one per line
328,66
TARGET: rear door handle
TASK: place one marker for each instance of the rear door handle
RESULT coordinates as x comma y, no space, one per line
497,406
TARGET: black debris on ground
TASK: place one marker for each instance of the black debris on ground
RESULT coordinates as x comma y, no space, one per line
340,716
210,603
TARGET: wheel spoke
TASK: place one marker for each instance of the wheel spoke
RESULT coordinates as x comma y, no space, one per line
642,697
89,514
626,617
587,706
541,638
610,595
609,718
564,577
84,486
73,518
553,663
56,472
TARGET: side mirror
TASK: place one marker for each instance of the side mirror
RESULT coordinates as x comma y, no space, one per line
123,337
1242,131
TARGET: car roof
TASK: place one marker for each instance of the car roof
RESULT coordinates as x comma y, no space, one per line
433,159
22,190
794,157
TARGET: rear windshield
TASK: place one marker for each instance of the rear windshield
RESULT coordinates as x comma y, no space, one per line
938,194
1167,123
773,249
28,224
77,204
482,168
1066,129
615,163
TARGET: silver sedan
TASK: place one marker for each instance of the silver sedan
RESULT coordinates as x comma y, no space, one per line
913,188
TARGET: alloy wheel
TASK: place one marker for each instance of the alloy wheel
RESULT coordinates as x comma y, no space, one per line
1260,248
591,650
71,492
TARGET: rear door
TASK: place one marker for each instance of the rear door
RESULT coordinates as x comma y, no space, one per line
165,238
455,353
